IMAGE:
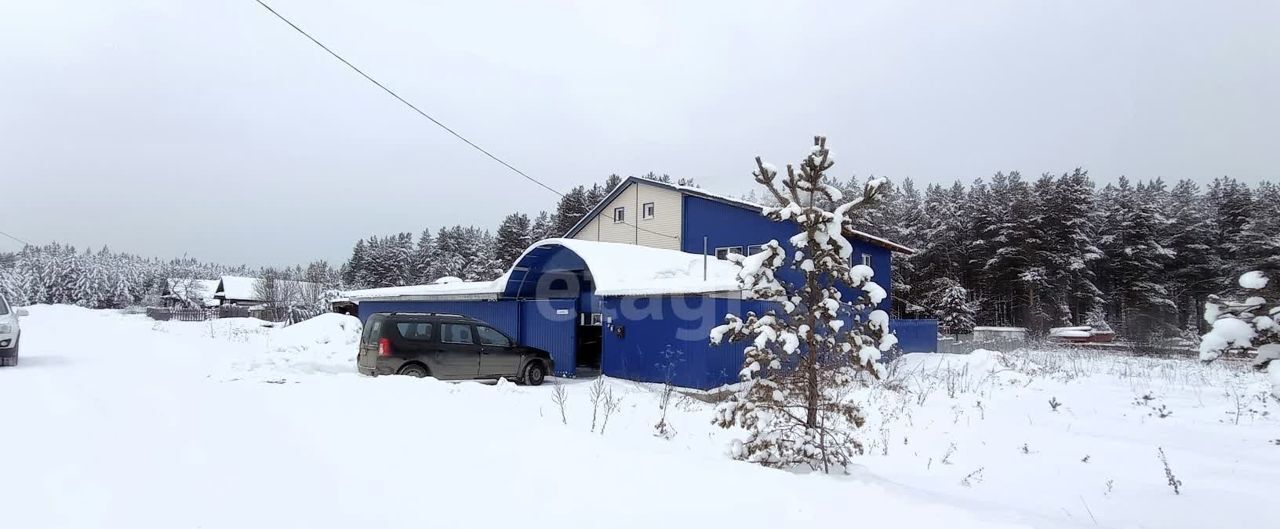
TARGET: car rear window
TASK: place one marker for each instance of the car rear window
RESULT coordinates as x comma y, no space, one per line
415,330
373,328
456,333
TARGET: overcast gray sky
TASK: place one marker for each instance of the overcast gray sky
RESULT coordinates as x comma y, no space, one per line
212,129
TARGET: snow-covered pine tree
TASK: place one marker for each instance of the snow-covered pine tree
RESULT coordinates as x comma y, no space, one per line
954,310
1246,323
572,207
450,249
804,357
906,220
940,258
514,236
423,267
1070,243
1259,239
978,249
1231,202
611,183
486,266
1148,307
1196,271
353,273
543,227
404,270
15,285
1016,237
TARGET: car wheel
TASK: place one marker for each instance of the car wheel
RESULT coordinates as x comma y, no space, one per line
535,373
414,370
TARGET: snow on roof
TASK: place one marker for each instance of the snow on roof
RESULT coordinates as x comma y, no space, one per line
746,204
616,269
630,270
244,288
457,288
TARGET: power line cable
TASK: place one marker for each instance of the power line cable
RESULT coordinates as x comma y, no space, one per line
425,115
16,239
402,100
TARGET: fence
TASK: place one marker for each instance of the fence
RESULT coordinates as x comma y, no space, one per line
916,336
966,343
175,314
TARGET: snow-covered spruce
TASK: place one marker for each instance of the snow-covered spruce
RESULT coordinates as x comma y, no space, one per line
1245,324
804,357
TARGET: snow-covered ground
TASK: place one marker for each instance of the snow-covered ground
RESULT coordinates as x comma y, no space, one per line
115,420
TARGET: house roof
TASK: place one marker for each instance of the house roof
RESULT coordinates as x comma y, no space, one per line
630,270
616,269
244,288
457,290
701,193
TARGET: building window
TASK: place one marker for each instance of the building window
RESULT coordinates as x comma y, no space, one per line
723,253
619,215
755,249
646,210
866,259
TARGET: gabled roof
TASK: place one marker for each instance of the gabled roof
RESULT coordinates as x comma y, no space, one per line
701,193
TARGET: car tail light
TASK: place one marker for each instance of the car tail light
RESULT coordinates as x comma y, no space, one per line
384,347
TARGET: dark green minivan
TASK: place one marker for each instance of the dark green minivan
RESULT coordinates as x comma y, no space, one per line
447,347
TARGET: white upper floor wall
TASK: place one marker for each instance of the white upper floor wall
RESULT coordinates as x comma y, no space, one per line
650,216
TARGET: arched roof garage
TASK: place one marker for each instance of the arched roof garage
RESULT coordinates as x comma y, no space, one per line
576,299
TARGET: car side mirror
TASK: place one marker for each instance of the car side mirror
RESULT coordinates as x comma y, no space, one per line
22,313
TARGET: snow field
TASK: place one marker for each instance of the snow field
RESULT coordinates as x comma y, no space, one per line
119,421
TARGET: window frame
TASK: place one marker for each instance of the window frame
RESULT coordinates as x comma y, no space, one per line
759,248
648,210
728,250
620,215
866,260
464,325
480,337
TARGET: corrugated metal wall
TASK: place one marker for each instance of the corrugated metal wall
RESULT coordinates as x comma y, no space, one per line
551,325
546,324
667,339
916,336
726,225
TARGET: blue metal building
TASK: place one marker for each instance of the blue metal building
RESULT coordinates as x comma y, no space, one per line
635,287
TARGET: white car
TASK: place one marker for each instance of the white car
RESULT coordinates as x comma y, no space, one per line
9,332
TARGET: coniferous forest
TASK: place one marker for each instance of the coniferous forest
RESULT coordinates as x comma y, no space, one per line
1140,257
